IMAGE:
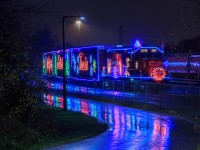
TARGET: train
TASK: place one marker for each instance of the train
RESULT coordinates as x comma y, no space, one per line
183,65
102,62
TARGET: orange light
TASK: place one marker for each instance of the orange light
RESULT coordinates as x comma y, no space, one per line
49,65
60,63
83,65
109,66
158,74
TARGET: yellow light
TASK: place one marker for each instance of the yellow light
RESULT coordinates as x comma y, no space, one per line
78,22
153,50
143,50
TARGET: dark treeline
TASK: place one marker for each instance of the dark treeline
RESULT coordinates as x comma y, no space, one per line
191,45
20,85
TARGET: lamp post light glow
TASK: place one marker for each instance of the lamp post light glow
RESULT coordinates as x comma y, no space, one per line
78,22
64,56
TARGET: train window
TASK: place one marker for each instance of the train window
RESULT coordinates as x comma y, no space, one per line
143,50
153,50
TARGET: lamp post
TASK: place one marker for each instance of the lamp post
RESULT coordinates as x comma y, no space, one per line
64,57
78,22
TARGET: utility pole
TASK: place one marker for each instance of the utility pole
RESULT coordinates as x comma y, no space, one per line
121,35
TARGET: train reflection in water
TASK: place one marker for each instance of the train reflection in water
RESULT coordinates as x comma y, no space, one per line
128,127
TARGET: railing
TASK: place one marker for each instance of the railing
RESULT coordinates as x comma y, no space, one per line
179,98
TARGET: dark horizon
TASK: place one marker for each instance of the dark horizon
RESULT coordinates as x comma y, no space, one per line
147,21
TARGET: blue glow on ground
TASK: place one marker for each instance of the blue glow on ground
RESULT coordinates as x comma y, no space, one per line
130,128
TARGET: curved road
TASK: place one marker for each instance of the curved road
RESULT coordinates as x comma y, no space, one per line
130,129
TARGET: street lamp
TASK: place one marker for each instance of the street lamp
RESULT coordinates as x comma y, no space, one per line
64,57
78,22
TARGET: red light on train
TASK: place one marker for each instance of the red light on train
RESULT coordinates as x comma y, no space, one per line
158,74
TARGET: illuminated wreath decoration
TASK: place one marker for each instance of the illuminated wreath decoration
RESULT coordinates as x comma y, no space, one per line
158,74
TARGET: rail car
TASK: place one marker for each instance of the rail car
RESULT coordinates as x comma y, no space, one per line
99,62
183,65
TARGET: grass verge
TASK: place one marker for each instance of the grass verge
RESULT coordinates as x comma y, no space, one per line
54,127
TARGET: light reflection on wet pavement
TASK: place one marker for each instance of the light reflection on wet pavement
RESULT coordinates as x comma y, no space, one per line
153,99
130,129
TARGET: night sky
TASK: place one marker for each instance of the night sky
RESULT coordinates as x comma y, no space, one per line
150,21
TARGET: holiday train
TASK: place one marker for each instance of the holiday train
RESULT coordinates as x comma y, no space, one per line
98,62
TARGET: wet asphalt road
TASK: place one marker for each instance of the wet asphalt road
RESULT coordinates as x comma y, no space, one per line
129,128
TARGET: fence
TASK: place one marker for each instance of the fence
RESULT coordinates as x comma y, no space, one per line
156,95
